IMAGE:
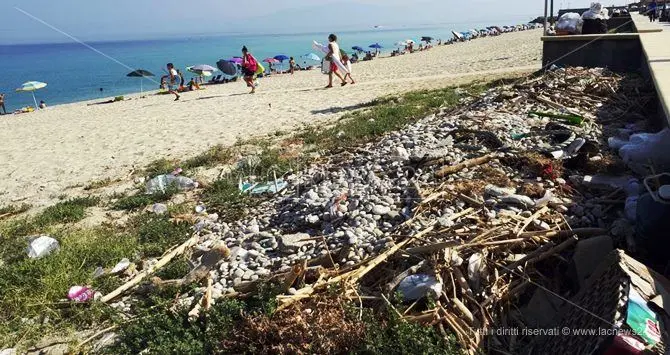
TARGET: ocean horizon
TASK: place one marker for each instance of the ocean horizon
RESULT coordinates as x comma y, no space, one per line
74,72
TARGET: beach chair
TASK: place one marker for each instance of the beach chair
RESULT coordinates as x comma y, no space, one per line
215,80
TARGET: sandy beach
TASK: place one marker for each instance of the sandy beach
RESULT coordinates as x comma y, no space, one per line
45,152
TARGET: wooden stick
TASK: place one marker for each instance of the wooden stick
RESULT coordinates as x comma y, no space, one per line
559,248
162,262
580,232
462,281
207,299
448,170
432,248
467,199
464,310
512,267
511,293
423,318
499,242
531,219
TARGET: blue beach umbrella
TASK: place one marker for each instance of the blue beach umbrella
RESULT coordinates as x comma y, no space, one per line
281,57
358,48
312,56
31,87
376,46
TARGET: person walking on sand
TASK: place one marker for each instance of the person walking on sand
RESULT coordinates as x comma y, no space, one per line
249,68
2,103
347,63
291,64
333,54
173,80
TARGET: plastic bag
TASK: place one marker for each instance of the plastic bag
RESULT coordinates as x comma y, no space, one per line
645,149
570,22
325,66
42,246
414,287
595,12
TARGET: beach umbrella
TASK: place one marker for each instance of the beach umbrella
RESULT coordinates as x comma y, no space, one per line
226,67
140,73
426,39
204,68
312,56
281,57
270,60
31,87
358,48
376,46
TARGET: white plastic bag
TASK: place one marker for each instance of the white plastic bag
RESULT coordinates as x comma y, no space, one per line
42,246
325,66
595,12
570,22
414,287
645,149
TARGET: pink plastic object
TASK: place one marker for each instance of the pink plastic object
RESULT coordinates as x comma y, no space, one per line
80,294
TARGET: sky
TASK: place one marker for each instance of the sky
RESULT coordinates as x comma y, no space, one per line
95,20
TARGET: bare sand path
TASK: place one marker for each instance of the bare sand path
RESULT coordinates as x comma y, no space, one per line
44,152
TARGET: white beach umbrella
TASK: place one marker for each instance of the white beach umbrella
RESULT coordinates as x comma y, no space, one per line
31,87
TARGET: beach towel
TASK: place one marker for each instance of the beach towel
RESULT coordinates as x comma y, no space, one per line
260,68
324,49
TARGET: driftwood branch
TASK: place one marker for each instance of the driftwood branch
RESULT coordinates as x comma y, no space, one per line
162,262
448,170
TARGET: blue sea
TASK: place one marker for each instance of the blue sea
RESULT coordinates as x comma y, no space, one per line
75,72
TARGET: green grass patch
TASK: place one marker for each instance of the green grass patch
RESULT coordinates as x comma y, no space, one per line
212,157
98,184
156,234
11,210
396,336
224,197
160,167
381,116
30,289
163,331
141,200
68,211
64,212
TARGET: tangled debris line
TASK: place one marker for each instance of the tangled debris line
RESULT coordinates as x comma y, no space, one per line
471,209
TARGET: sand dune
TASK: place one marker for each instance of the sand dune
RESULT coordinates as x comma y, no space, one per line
44,152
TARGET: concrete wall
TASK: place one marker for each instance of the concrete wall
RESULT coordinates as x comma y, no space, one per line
618,52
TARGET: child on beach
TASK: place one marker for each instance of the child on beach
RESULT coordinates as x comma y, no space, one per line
2,103
347,63
333,54
43,104
173,80
249,67
291,64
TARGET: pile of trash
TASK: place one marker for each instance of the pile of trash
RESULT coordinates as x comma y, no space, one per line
476,209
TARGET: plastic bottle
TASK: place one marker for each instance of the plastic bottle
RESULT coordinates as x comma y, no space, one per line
161,182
